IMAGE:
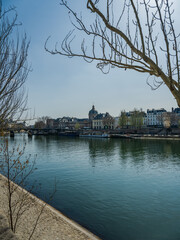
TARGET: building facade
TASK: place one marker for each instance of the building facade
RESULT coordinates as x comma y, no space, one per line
155,117
103,121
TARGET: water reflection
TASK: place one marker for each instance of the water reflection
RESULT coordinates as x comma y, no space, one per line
137,150
149,148
105,146
105,149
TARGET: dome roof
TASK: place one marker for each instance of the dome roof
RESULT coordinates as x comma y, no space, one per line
93,111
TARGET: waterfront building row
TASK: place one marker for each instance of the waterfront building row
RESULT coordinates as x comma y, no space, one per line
154,117
99,121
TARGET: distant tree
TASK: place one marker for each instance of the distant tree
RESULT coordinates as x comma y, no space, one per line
77,126
108,121
136,118
167,120
123,119
44,119
129,34
160,118
174,118
13,67
170,119
39,125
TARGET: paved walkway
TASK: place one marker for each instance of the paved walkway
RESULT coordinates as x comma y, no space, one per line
52,225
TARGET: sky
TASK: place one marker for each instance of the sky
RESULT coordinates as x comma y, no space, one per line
59,86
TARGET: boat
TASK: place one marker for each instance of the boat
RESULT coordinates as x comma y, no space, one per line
69,134
104,135
125,136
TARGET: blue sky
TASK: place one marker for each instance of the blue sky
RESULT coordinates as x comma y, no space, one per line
59,86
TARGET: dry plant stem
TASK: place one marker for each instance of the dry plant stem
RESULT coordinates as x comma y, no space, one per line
9,187
17,168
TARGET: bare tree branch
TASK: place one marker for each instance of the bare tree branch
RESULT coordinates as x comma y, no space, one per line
13,68
138,35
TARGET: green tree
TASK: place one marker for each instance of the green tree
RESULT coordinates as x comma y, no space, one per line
77,126
129,34
123,119
136,118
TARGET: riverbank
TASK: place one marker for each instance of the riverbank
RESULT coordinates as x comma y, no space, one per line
143,133
52,223
146,136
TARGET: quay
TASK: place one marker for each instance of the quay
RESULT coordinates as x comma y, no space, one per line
52,225
107,134
143,133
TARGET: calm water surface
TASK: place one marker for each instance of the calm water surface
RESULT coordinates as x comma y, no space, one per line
118,189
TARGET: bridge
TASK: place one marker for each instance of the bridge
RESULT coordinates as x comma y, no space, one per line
44,131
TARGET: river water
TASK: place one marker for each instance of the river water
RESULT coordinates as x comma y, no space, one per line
119,189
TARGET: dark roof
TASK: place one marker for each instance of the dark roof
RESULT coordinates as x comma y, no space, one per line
176,110
82,119
93,111
99,116
156,111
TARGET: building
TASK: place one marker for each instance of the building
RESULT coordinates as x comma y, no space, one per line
83,123
176,111
155,117
70,123
92,113
172,119
116,122
49,123
103,121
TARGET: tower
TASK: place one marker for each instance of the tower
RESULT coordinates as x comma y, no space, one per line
92,113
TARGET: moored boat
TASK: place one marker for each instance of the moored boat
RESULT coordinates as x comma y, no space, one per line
104,135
